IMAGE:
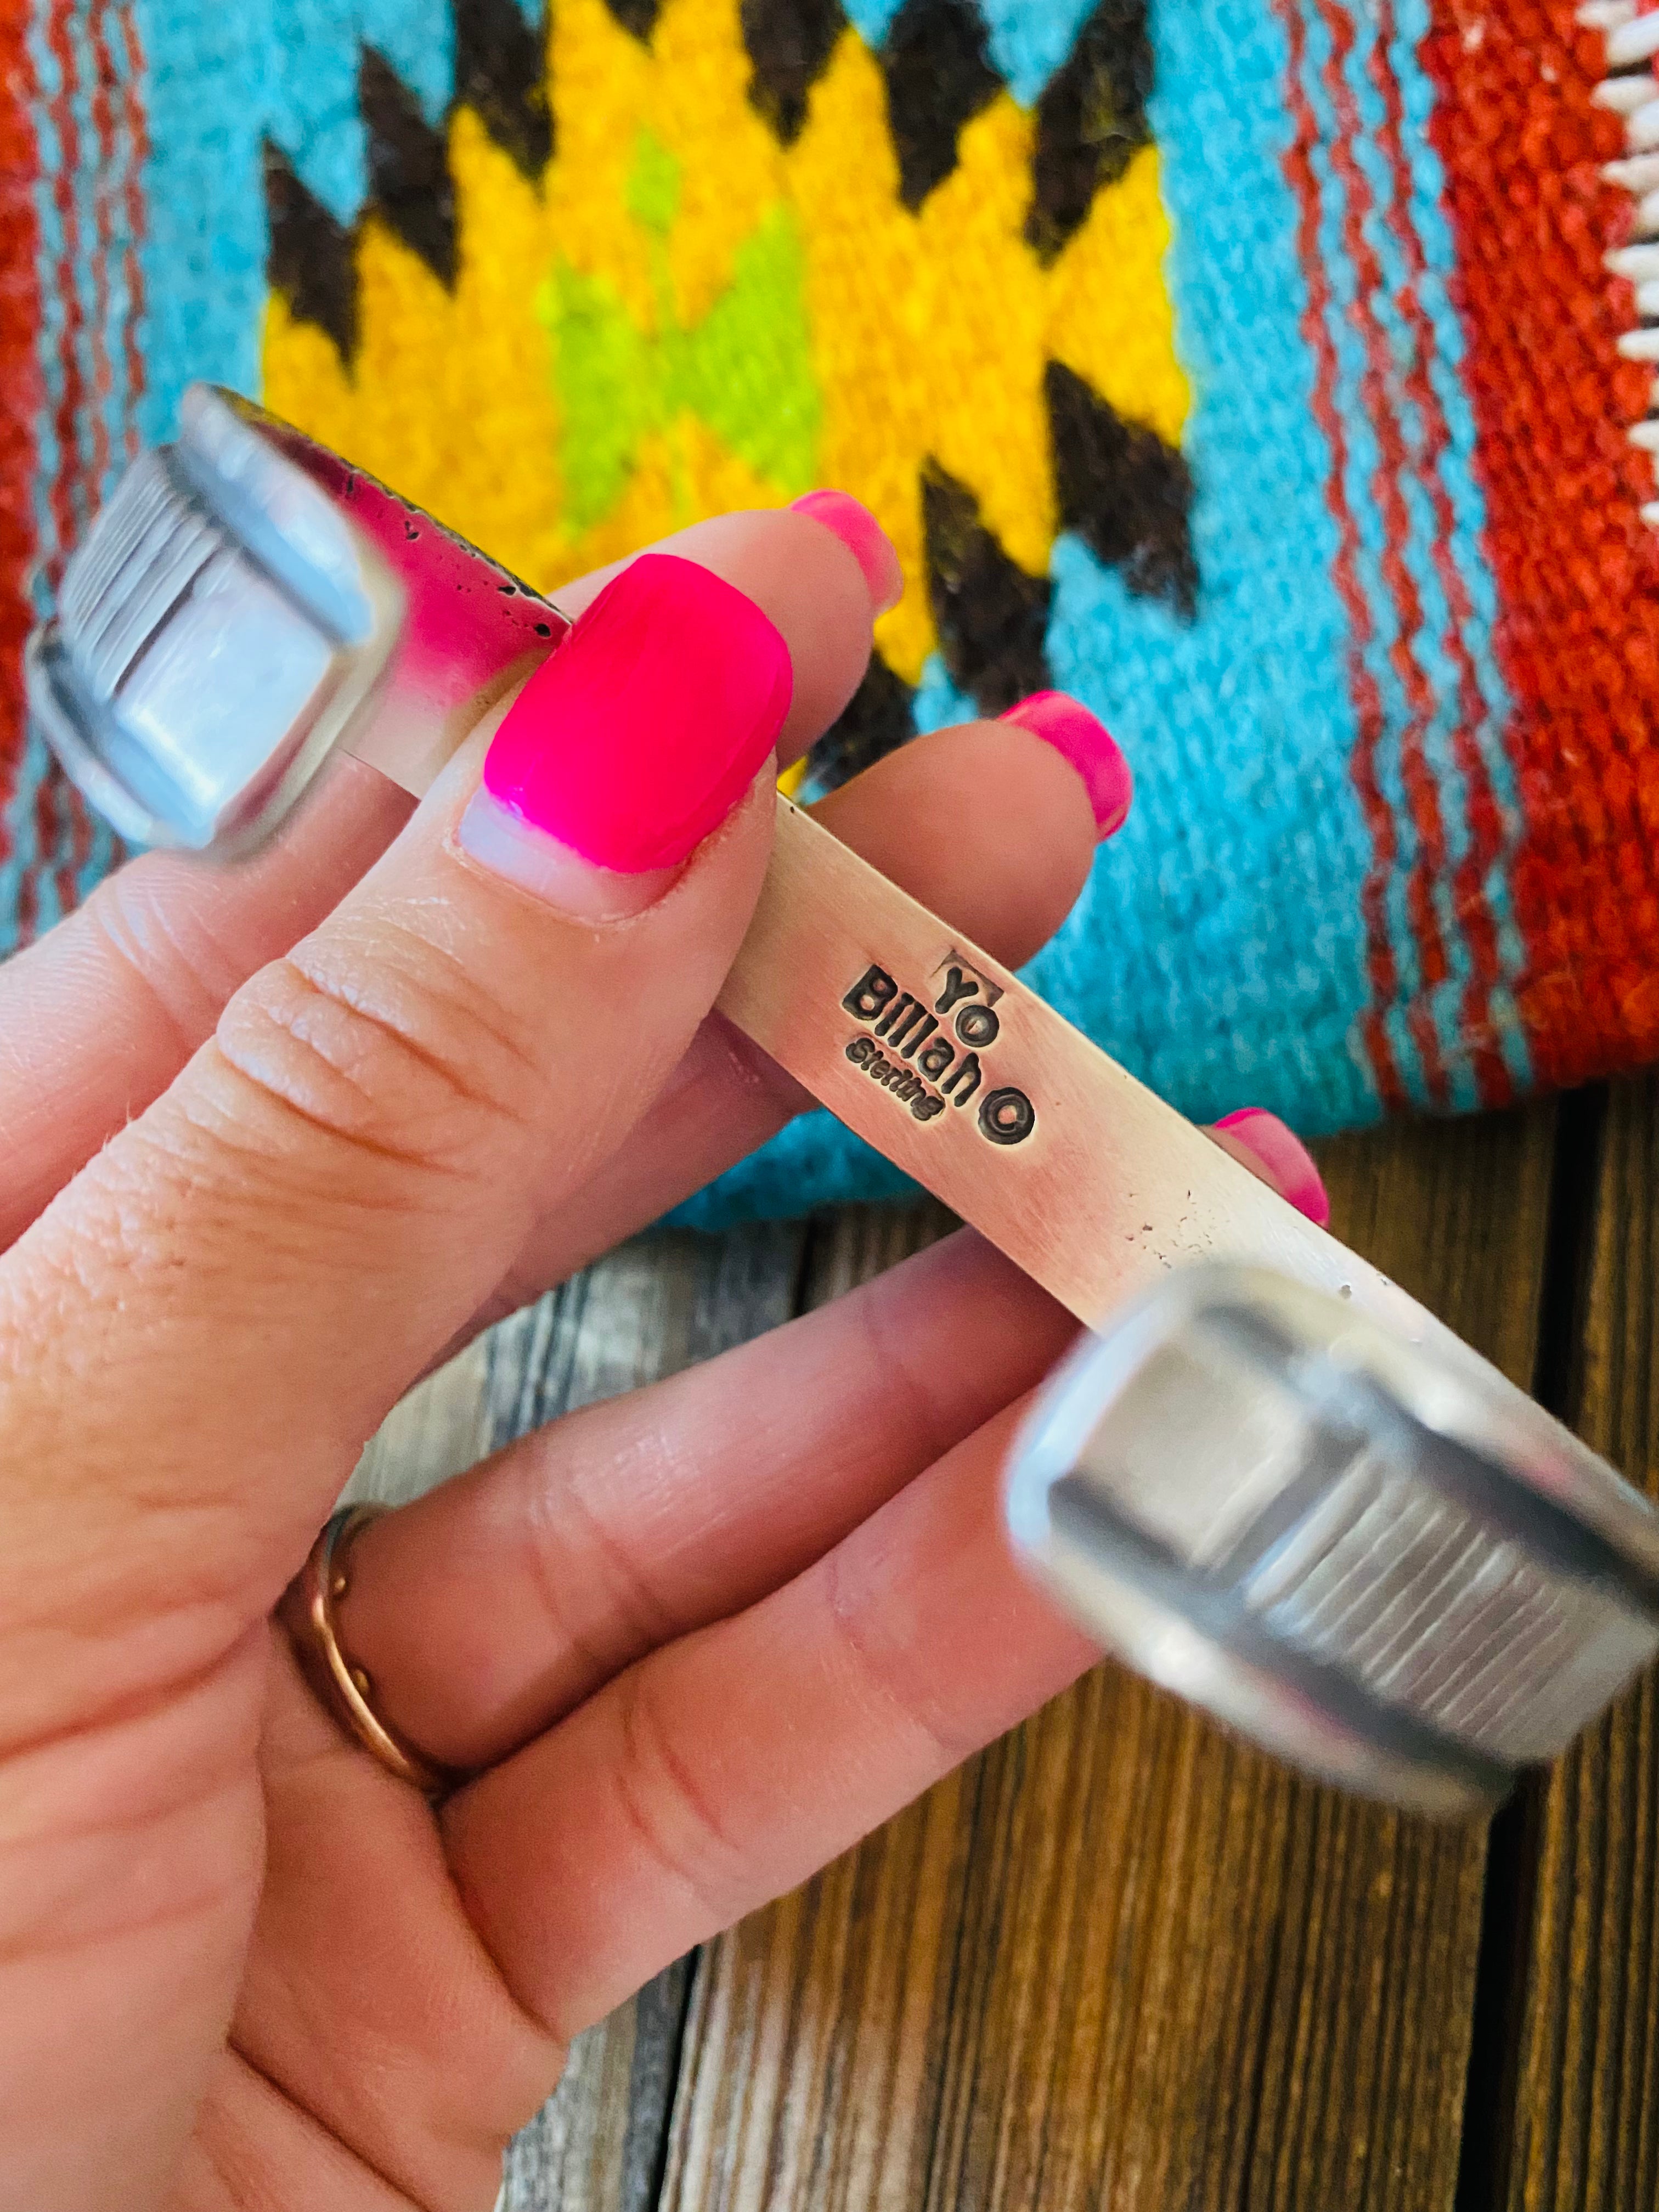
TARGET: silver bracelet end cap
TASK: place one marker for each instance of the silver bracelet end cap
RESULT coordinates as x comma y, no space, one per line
1373,1559
221,626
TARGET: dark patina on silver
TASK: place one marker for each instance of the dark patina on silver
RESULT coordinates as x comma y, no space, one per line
245,602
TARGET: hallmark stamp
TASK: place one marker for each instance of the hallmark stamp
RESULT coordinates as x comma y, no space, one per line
926,1052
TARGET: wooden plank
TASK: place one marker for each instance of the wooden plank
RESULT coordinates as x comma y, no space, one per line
1585,2078
855,1243
600,2140
645,1311
1118,1961
441,1428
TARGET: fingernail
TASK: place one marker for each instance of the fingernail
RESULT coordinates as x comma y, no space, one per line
1082,739
632,742
1286,1158
864,538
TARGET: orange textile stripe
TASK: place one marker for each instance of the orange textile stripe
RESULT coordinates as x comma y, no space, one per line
1577,571
20,382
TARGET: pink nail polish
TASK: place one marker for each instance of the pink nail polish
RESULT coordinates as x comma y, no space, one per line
634,741
1084,740
864,538
1286,1159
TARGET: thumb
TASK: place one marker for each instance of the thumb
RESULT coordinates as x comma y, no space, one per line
210,1321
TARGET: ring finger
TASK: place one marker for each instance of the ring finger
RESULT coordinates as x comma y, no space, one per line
488,1608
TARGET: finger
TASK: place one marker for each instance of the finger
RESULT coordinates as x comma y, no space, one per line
98,1018
826,567
1278,1156
340,1172
493,1606
1005,875
368,2004
497,1603
722,1771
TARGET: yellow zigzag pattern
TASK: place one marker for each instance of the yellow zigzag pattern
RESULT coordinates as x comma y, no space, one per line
929,331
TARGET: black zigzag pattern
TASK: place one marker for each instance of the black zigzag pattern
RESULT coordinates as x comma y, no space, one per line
501,73
313,259
991,616
1126,494
637,17
409,184
878,720
1091,121
937,62
789,44
938,73
1119,487
935,59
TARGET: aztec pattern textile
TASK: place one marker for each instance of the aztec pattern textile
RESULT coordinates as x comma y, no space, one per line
1249,368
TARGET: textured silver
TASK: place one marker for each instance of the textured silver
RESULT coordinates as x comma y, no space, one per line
246,602
1376,1560
197,672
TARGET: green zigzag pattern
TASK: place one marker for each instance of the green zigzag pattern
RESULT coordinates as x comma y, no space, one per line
745,370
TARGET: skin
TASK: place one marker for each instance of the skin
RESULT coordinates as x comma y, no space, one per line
272,1142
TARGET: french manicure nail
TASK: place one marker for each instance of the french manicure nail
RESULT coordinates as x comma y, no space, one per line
1289,1163
633,743
1082,739
864,538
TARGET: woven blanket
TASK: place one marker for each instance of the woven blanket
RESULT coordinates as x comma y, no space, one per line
1251,369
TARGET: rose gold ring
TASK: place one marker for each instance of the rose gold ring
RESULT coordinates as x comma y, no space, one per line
345,1688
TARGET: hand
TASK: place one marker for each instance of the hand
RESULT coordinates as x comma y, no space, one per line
278,1139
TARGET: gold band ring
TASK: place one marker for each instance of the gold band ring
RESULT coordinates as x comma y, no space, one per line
308,1613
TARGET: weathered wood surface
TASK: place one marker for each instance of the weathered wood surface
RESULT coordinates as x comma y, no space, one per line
1575,1957
1116,1960
647,1311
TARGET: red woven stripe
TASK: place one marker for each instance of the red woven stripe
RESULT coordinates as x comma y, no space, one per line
138,123
69,414
20,382
1485,822
1422,794
65,823
1577,571
1380,967
81,438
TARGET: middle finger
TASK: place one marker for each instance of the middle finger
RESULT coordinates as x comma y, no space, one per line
487,1609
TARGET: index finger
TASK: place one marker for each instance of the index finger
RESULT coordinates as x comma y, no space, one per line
99,1017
